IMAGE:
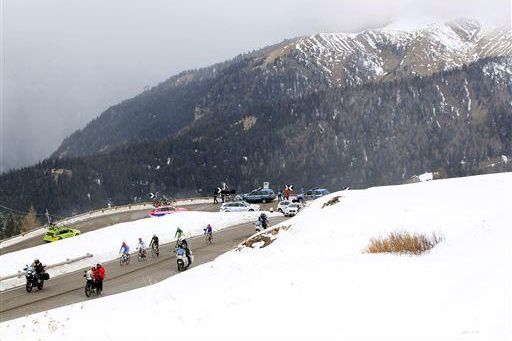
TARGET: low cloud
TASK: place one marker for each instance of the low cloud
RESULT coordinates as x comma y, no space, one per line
64,62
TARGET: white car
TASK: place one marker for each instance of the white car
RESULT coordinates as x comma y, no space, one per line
292,209
282,205
239,206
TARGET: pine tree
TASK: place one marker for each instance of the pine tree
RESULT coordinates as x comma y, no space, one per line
11,228
29,221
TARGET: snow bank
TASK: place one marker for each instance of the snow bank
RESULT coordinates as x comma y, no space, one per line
105,243
96,214
314,281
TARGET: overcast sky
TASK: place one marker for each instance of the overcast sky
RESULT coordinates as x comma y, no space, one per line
65,61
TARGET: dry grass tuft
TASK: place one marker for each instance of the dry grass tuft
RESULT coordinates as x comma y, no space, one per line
404,242
266,236
332,201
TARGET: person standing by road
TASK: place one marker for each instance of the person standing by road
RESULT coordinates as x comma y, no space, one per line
286,193
215,194
279,195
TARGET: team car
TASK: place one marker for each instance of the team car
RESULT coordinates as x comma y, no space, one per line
164,210
312,194
59,233
292,209
239,206
282,205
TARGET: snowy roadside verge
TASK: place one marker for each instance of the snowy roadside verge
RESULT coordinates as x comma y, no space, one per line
104,243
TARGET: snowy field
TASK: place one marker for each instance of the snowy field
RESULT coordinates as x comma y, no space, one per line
316,282
104,244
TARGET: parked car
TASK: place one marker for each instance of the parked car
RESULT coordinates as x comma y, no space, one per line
59,233
312,194
292,209
262,195
163,210
238,206
282,205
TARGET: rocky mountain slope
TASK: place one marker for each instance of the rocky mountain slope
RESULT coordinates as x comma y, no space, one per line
291,69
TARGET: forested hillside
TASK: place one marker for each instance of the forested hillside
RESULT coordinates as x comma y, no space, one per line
456,122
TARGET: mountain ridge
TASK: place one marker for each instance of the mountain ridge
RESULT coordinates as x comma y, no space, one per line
292,68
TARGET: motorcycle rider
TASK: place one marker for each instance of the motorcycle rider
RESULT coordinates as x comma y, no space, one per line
38,267
154,243
264,220
184,245
98,273
141,246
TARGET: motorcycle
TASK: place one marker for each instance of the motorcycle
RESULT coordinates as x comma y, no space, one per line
258,226
182,260
33,279
90,284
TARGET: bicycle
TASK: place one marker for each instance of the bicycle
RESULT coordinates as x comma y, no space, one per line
124,259
154,251
208,238
141,255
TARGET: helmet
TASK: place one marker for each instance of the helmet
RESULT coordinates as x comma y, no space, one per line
36,261
140,238
98,265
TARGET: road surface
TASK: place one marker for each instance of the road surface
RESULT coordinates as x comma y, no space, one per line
69,288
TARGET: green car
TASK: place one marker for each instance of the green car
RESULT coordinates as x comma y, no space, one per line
60,233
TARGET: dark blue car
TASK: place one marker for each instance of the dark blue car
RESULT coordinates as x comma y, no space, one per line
312,194
262,195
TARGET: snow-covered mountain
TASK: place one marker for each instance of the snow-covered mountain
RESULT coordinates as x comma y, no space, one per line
291,69
387,53
315,280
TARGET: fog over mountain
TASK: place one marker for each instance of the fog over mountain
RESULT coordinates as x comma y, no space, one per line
63,63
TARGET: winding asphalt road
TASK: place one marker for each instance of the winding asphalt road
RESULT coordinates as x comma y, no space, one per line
69,288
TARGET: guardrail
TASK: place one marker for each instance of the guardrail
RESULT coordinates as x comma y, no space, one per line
67,261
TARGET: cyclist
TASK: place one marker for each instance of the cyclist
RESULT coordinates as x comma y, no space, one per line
208,231
154,244
125,249
141,246
179,234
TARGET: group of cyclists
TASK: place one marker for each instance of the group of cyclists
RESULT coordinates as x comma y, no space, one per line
154,244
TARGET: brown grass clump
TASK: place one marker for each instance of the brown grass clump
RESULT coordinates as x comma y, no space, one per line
332,201
403,242
266,236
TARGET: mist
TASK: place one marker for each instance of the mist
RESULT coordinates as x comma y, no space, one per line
64,62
